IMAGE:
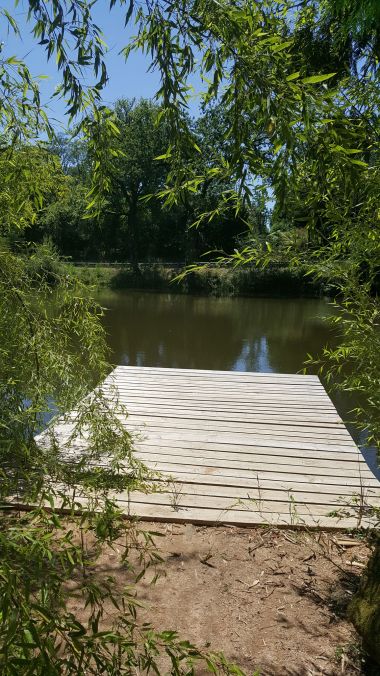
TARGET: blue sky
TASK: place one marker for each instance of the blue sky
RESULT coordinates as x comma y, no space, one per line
129,80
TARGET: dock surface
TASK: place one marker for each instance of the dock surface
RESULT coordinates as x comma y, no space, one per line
243,449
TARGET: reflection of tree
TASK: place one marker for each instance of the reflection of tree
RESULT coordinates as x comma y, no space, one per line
293,328
253,356
171,331
252,334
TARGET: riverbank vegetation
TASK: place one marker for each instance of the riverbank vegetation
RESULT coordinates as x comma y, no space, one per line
282,163
273,281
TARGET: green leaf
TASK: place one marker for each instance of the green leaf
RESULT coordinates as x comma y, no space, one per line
346,151
13,60
281,46
313,79
359,163
293,76
165,156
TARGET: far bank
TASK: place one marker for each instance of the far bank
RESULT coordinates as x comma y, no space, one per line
274,281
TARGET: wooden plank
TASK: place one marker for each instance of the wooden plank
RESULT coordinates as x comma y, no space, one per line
212,517
223,396
259,465
208,383
156,382
202,473
233,390
321,419
260,402
272,458
213,456
231,378
293,485
248,396
215,467
199,446
239,518
244,418
181,499
226,375
259,495
204,432
261,405
241,393
182,467
276,427
213,372
308,472
263,468
236,389
228,429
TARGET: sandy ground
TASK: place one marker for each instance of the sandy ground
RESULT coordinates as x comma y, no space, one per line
269,599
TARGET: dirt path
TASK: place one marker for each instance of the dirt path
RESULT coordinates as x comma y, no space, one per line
273,600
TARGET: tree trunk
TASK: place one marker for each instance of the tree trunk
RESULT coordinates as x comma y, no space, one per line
132,232
364,609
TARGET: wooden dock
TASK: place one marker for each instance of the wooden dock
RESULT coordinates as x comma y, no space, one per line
243,449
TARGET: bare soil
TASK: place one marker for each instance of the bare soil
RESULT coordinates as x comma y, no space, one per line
269,599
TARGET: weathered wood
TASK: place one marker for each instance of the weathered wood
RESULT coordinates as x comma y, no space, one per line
238,448
212,399
294,486
183,500
308,478
225,375
218,458
249,436
258,495
173,446
225,431
299,420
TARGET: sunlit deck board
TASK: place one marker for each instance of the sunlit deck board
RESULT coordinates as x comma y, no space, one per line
240,448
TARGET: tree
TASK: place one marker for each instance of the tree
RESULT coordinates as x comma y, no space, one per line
136,174
73,155
133,223
285,115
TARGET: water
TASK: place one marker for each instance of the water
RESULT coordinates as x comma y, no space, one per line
269,335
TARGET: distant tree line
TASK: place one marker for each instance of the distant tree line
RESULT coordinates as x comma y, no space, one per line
135,224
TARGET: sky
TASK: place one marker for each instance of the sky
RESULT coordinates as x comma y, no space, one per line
129,80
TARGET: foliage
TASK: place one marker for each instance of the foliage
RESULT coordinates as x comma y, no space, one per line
296,124
63,223
30,177
274,280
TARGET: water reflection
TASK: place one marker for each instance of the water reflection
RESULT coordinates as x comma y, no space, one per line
249,334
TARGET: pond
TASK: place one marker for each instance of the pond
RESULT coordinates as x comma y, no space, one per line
233,334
